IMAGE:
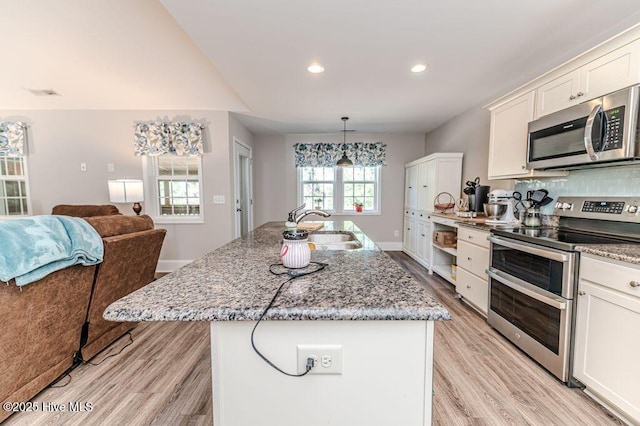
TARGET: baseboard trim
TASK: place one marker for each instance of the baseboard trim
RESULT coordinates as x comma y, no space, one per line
390,246
166,266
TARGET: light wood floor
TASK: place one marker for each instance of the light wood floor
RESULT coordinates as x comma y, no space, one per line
164,378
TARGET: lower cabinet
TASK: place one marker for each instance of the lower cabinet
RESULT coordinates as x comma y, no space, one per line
417,236
607,341
473,261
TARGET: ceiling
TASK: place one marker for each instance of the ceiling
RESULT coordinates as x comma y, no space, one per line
250,56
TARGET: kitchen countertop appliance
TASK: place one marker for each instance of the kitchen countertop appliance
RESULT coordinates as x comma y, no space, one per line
533,274
502,196
594,133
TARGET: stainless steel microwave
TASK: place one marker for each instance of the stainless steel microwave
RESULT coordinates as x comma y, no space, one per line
594,133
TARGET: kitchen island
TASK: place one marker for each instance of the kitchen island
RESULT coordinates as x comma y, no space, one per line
374,321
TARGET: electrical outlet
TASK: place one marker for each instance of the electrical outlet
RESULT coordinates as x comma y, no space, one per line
328,358
396,233
83,167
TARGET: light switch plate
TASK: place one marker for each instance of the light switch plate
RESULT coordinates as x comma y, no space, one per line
218,199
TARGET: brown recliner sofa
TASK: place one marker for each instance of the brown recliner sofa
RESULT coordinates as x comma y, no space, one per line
52,323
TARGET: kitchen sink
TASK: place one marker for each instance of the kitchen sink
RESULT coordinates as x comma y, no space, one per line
339,240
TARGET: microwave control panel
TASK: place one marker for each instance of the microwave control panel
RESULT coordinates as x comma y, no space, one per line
615,129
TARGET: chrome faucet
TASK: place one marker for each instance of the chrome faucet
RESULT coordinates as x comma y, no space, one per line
294,217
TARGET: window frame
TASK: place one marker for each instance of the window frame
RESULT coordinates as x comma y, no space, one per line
22,178
338,192
152,196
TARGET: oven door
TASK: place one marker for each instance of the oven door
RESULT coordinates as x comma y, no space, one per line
526,303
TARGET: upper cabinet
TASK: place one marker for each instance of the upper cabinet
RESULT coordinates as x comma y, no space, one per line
428,176
609,73
606,68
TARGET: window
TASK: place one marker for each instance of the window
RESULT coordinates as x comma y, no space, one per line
338,189
176,187
14,197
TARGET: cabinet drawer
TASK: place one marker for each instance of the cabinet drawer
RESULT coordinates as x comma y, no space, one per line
473,236
473,289
611,274
474,259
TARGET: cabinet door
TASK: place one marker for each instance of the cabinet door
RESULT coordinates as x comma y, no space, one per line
411,187
611,72
410,237
426,184
508,139
607,346
558,94
423,241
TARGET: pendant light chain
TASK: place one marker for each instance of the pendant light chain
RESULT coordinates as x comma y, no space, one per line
344,161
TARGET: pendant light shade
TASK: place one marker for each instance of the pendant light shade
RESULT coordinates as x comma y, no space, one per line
344,161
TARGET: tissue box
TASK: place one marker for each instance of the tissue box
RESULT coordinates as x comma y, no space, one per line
445,238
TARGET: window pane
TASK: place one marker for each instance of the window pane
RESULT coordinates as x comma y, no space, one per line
358,173
192,167
13,188
13,206
193,189
348,174
178,188
369,190
348,189
368,204
164,166
14,166
358,190
369,173
3,166
307,190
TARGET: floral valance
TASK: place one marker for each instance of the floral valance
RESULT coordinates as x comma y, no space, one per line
328,154
12,138
162,137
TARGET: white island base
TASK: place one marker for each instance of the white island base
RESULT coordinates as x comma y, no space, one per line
387,374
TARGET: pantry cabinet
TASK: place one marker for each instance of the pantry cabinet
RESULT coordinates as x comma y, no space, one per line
606,340
425,178
608,73
473,261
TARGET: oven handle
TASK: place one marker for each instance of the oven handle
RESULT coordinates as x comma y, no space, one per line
531,292
531,249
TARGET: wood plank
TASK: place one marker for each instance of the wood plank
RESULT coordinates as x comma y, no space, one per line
164,377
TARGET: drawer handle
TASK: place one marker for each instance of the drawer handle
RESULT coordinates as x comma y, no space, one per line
582,292
634,284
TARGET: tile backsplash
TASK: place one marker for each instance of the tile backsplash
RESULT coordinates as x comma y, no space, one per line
605,181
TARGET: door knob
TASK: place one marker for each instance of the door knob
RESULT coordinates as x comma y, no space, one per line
238,209
634,284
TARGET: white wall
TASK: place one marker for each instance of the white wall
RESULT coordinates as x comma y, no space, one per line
467,133
276,179
60,140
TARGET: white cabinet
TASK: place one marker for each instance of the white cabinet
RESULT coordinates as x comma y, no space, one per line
427,184
416,236
611,72
411,187
473,261
607,342
508,140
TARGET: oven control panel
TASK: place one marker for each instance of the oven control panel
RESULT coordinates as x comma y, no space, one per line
622,209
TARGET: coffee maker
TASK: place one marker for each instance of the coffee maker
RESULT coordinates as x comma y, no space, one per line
503,196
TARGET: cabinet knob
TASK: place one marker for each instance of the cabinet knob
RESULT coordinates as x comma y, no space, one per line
470,237
468,258
468,286
424,186
582,292
410,187
571,97
634,284
523,167
423,235
579,94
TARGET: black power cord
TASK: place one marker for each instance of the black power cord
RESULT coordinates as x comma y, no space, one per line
293,274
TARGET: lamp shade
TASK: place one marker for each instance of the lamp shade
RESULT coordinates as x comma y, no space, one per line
126,191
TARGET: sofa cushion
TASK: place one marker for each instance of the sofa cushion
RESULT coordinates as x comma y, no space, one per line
80,210
108,226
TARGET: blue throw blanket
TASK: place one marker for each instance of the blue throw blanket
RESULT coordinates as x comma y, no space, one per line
33,247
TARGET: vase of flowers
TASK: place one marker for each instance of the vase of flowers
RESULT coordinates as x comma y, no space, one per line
318,203
358,205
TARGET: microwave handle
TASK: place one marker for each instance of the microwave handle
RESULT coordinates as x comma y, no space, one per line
588,141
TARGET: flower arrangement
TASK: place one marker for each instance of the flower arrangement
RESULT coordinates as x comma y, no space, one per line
318,202
358,205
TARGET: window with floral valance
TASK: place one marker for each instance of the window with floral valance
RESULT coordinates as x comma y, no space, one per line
156,138
327,154
12,138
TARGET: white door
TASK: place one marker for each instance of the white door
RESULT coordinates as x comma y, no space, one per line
243,188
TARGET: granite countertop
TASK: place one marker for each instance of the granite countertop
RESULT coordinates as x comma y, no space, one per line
233,283
629,253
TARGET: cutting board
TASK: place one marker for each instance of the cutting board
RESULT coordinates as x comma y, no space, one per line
310,226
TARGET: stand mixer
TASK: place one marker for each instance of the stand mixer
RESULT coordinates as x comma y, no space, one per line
502,196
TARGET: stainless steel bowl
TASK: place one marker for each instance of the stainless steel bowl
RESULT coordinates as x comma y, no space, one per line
494,210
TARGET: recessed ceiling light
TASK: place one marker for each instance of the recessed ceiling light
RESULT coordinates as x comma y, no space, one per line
315,68
418,68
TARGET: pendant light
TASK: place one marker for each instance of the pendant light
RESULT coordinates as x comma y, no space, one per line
344,161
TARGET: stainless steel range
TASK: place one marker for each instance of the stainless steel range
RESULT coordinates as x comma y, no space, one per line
533,274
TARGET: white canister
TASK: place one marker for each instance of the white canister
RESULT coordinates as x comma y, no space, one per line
295,251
